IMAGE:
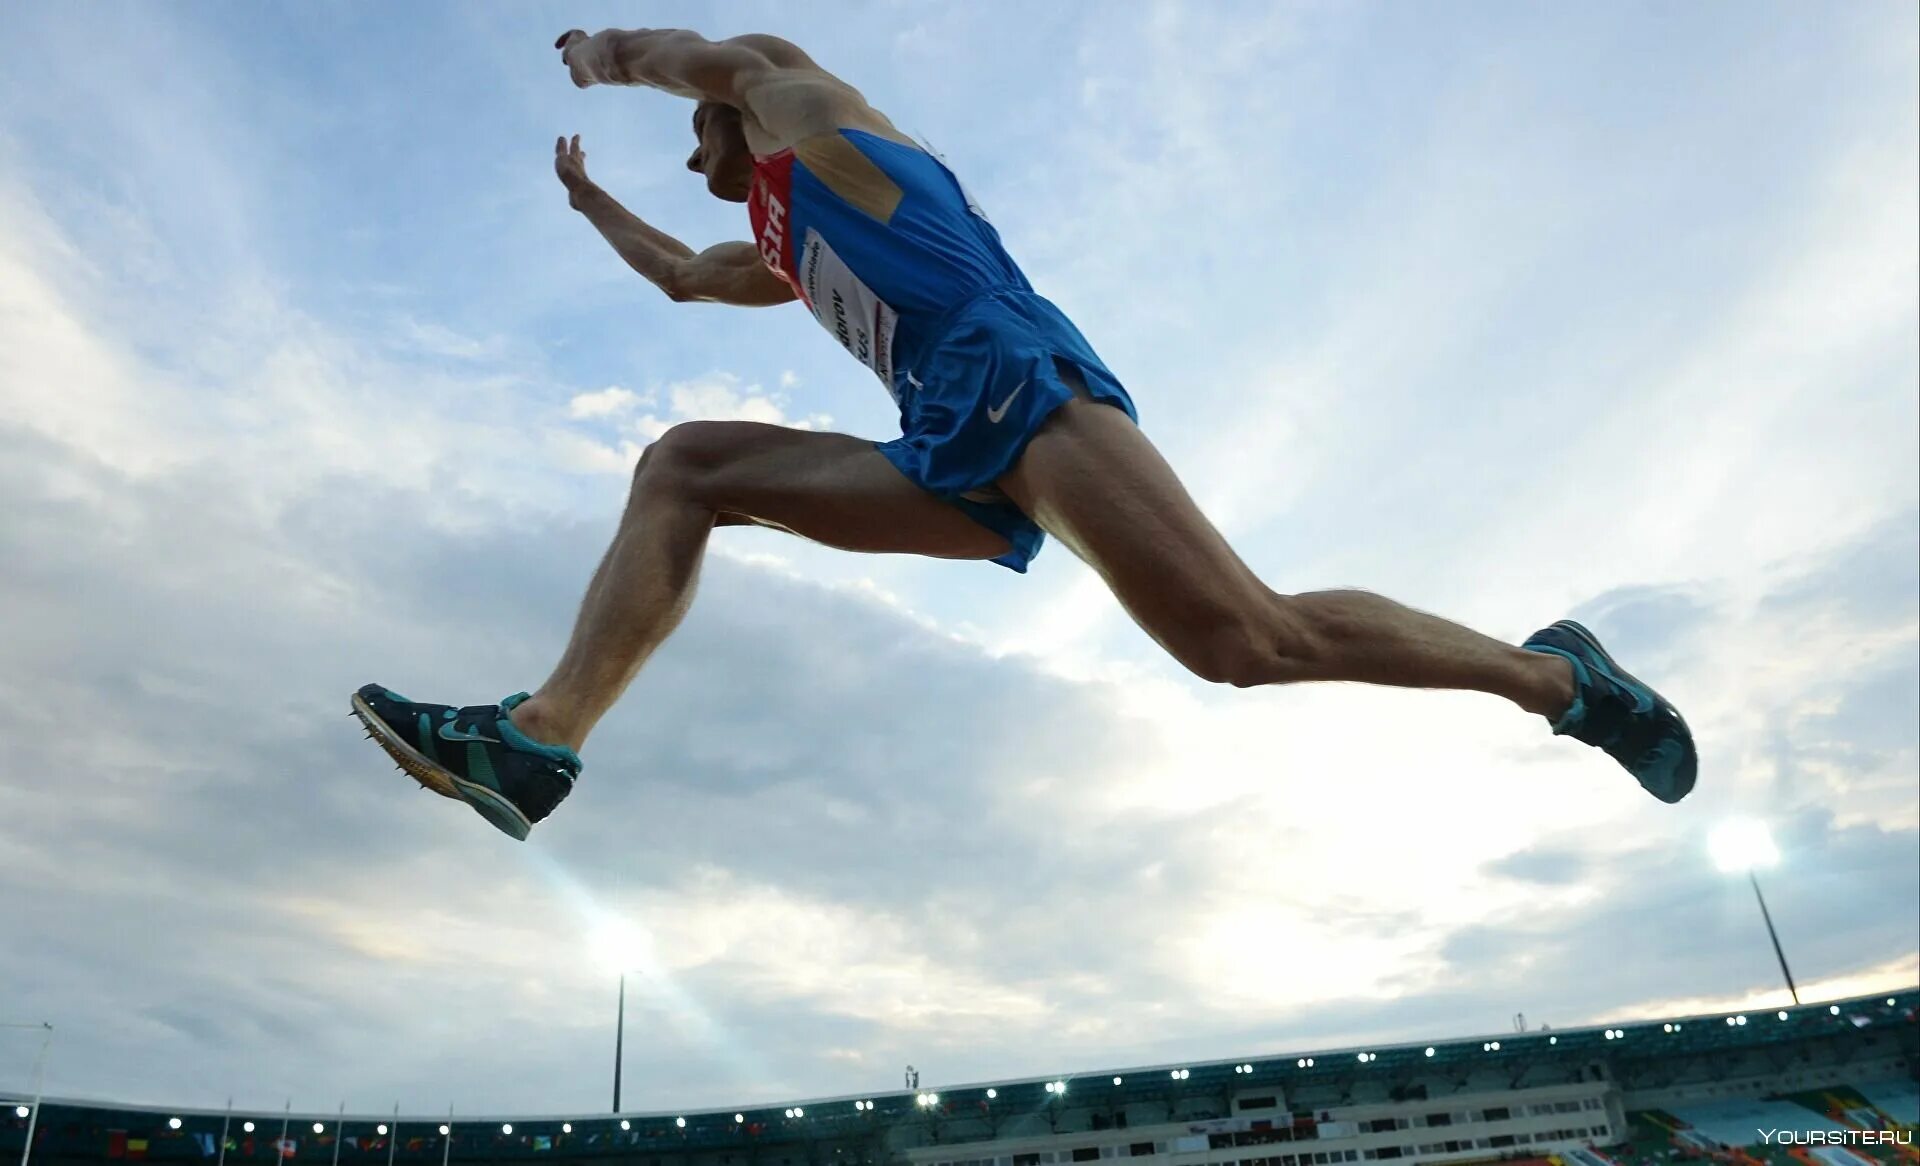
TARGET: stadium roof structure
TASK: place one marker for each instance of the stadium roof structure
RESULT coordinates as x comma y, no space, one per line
1628,1048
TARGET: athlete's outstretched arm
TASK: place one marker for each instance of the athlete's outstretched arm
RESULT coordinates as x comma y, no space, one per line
730,273
677,61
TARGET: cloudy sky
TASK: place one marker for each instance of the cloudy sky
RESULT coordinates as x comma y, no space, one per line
308,377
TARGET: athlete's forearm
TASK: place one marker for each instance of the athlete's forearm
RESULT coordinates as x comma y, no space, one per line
653,253
642,56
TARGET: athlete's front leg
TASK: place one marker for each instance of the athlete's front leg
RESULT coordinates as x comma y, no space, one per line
828,487
514,761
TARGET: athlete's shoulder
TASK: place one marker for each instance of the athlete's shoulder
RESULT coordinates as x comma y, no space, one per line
797,98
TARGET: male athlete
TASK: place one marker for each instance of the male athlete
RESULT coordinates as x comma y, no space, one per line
1011,426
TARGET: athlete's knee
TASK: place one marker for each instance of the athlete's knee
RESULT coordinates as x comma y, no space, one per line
1269,641
686,456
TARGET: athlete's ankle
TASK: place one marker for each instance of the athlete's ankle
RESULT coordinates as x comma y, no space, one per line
1550,691
533,718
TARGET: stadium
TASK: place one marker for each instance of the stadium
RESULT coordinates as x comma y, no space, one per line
1826,1084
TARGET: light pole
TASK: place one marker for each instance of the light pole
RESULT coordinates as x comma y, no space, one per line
621,949
1742,847
619,1041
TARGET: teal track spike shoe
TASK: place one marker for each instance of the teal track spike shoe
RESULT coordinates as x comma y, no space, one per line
474,754
1617,713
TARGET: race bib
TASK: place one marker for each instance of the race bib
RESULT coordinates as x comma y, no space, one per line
862,322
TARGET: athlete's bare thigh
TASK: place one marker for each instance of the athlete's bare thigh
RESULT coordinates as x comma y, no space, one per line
829,487
1091,479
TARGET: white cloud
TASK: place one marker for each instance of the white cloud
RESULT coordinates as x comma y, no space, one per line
606,402
723,396
430,339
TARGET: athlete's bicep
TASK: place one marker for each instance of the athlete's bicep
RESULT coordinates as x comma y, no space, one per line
731,273
690,65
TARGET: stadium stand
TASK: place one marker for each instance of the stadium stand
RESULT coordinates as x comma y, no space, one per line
1647,1093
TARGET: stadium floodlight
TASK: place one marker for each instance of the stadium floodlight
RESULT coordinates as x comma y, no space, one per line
173,1123
444,1131
247,1126
1743,846
625,1124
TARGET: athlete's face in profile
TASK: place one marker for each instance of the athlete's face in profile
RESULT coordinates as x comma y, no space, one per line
722,154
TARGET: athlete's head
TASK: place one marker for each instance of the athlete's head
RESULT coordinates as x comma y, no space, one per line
722,154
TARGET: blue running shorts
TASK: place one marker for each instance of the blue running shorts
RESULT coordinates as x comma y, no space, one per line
1005,360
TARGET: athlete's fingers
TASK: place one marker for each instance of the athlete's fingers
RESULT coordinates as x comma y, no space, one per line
575,150
566,39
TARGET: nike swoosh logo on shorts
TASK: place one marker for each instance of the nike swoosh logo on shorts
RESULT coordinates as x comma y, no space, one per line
994,415
447,733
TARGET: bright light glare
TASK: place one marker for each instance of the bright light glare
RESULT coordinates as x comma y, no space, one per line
620,947
1743,845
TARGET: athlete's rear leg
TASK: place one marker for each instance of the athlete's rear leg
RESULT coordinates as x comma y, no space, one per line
1091,479
829,487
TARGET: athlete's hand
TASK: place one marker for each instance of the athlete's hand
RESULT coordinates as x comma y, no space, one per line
579,53
570,163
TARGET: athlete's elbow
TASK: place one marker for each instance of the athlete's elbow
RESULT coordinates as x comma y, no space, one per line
676,286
